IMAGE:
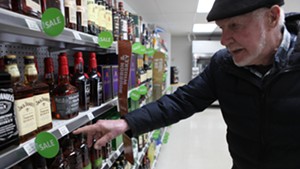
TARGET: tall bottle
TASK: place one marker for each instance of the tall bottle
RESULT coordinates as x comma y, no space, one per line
123,23
65,96
95,81
72,155
81,145
28,7
82,16
101,15
49,77
8,128
59,162
59,4
70,14
81,81
91,16
116,21
41,95
6,4
24,101
108,16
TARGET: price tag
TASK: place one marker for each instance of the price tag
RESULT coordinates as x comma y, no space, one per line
63,131
109,163
77,35
32,25
29,148
95,39
90,116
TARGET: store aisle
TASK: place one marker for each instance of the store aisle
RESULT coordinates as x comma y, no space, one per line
196,143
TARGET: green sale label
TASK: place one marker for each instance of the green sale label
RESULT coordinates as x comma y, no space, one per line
53,22
105,39
46,145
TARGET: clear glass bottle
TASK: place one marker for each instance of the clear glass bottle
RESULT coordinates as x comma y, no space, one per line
65,96
81,82
24,101
41,95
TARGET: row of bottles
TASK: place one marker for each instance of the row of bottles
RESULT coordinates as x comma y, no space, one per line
88,16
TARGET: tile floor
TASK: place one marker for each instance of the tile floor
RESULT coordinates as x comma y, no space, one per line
196,143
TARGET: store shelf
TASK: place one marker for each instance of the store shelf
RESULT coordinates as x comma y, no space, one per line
60,129
21,29
158,148
112,158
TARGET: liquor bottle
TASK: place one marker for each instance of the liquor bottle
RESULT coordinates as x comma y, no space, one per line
24,102
96,158
59,162
70,14
116,21
82,16
28,7
91,16
59,4
41,95
109,17
80,145
38,162
65,96
81,82
49,74
101,15
123,23
8,129
95,82
6,4
72,155
130,27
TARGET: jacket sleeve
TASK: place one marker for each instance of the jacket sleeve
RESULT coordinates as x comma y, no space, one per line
184,102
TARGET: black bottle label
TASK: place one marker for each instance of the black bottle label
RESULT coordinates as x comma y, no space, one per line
8,128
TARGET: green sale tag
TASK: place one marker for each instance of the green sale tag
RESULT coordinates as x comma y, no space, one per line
136,48
143,90
150,51
53,22
46,145
135,95
105,39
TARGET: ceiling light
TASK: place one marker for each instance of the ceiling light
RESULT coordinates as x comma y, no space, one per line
204,6
204,28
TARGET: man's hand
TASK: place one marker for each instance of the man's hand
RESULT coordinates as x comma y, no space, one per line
103,131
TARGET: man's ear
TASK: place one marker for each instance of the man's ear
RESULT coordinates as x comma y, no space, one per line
274,15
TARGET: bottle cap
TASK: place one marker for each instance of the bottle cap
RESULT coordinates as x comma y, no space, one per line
63,64
93,61
78,58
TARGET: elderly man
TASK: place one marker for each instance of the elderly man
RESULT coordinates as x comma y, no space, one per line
256,80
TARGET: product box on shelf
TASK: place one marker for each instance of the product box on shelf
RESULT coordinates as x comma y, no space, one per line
132,83
105,71
114,78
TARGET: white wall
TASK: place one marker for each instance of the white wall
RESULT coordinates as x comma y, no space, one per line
182,57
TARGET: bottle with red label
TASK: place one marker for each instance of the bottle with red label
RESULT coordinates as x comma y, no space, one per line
81,82
95,81
65,96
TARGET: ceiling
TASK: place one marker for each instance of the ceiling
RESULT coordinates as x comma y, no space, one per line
178,17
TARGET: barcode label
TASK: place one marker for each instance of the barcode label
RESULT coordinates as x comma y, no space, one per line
63,131
32,25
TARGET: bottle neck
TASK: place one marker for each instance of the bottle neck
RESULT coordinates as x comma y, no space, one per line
30,72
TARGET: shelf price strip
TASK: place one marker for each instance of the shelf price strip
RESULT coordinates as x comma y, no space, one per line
63,131
30,148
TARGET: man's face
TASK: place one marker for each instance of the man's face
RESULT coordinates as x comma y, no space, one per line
245,37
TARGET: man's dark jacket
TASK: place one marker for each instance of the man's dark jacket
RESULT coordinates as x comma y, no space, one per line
262,114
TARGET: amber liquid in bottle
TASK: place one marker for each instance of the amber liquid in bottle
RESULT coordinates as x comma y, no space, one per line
41,95
28,7
24,102
65,96
95,81
82,16
81,82
70,14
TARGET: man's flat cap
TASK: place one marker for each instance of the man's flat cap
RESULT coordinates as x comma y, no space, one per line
229,8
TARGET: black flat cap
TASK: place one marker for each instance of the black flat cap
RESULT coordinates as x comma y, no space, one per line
228,8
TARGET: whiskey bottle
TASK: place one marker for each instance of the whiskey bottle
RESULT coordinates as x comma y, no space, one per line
24,102
41,95
8,128
6,4
108,16
101,15
28,7
65,96
59,162
95,82
72,155
81,82
59,4
116,21
123,23
91,16
80,145
82,16
49,74
70,14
